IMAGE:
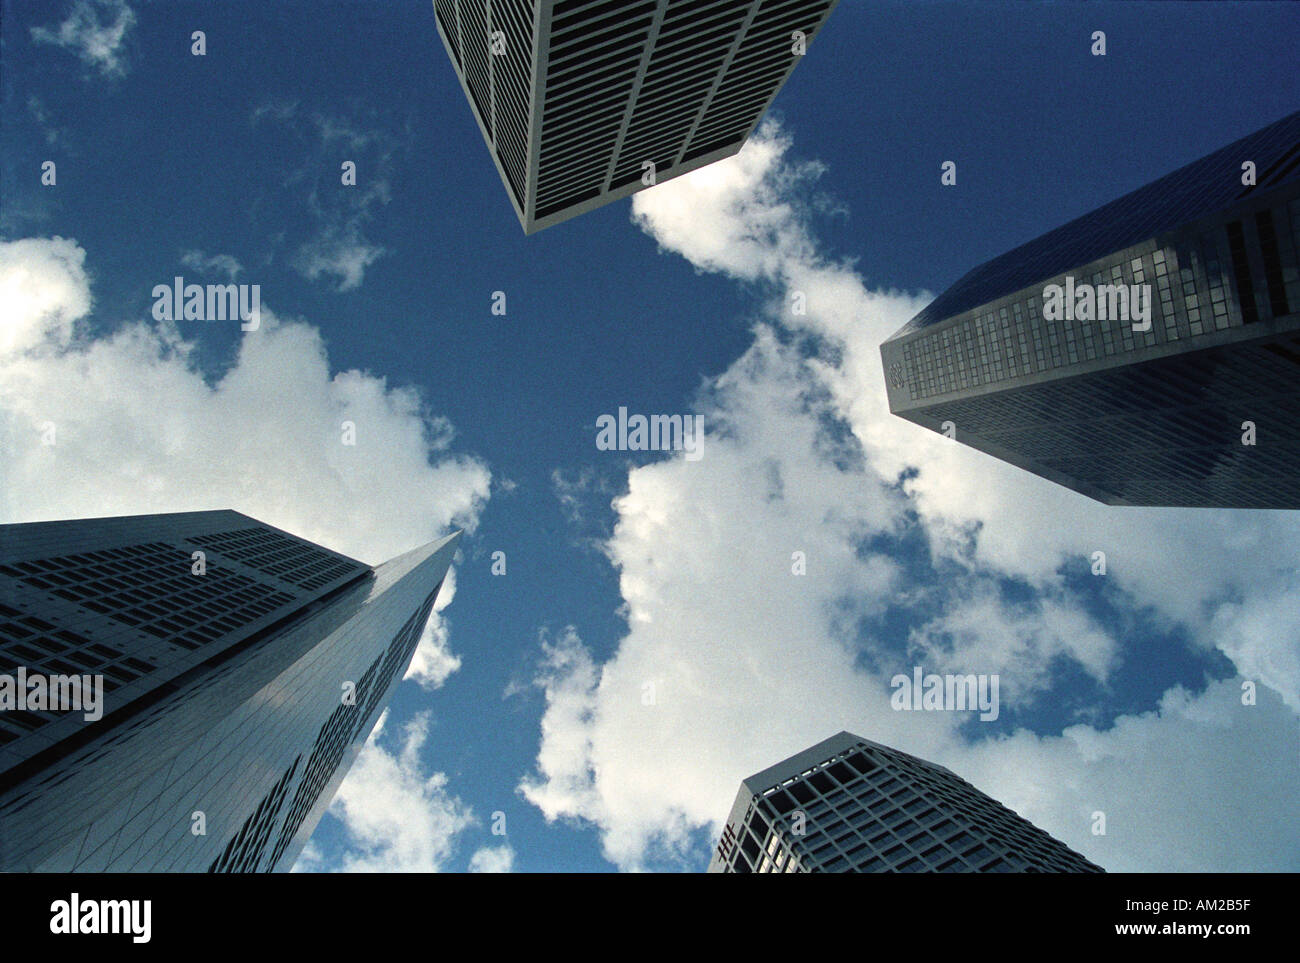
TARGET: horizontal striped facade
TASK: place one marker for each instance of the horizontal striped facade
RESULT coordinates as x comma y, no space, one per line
576,98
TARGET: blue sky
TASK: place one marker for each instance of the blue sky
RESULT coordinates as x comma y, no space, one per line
168,163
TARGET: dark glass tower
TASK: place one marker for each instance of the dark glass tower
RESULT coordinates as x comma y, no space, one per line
850,805
242,670
1202,408
574,96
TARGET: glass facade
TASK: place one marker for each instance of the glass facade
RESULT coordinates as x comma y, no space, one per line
574,96
851,805
1123,412
238,686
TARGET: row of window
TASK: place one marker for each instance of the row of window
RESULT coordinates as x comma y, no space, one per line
889,815
1012,340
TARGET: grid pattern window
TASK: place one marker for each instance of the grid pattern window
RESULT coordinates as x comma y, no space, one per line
303,564
1168,432
1151,407
152,588
249,733
868,808
48,650
991,348
137,613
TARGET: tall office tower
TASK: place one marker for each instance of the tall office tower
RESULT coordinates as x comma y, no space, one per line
576,97
1042,356
242,668
850,805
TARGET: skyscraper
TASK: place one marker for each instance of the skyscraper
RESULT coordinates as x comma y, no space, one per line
576,97
1147,353
849,804
242,669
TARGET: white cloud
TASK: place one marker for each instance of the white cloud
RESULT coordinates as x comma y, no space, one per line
433,660
492,859
214,264
95,31
1200,783
745,663
395,818
343,253
1019,643
138,428
568,679
1261,636
45,291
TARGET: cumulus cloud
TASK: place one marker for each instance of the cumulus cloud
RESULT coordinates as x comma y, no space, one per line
1199,783
914,549
564,784
492,859
433,660
130,424
139,427
395,818
45,290
95,31
1019,642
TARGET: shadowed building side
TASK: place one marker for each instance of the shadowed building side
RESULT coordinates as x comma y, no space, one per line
1147,353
